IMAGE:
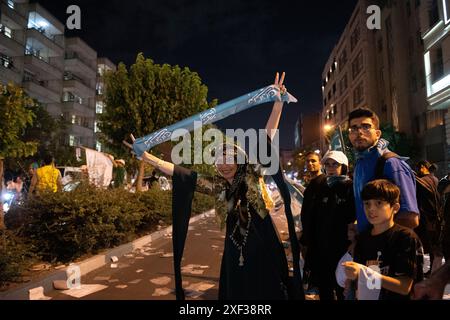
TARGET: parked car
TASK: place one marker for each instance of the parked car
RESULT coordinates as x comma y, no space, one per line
71,177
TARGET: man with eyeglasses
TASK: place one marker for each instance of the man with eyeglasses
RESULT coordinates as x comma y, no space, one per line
365,136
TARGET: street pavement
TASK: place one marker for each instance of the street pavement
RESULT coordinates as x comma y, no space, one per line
147,274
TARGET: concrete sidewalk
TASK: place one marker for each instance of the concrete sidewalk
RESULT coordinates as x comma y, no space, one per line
89,265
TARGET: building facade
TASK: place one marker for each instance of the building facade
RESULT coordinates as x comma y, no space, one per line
384,71
307,131
58,71
435,30
103,65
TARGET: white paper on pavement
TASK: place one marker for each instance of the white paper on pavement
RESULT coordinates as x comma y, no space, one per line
100,168
37,294
161,281
201,286
85,290
161,292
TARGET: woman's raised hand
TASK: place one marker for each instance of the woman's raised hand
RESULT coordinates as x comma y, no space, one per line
279,82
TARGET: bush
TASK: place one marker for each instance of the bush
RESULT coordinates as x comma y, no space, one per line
65,226
15,257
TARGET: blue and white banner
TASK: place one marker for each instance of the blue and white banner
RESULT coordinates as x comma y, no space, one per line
265,95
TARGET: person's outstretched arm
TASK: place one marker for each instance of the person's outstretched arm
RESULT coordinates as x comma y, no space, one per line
33,184
433,288
274,119
164,166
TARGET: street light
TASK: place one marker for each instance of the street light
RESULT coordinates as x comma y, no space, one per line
327,128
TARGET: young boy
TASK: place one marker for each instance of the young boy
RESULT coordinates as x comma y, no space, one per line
388,258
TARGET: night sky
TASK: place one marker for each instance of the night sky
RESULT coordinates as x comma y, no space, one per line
236,46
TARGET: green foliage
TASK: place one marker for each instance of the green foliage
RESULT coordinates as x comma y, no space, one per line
46,132
17,113
65,226
15,257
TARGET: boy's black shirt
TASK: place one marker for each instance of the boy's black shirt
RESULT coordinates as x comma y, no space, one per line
399,252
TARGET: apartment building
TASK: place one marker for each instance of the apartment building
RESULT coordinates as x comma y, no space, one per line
383,70
44,58
80,77
13,23
59,72
103,65
435,30
307,131
349,79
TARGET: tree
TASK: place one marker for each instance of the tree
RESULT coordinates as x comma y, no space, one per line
17,113
146,98
49,133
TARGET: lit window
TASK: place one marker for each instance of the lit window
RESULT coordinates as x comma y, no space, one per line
71,140
11,4
99,88
74,119
96,128
99,107
98,146
6,31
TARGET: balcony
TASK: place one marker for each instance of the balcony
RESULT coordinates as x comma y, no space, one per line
75,107
39,90
79,130
10,46
77,86
42,66
76,64
16,16
10,74
46,40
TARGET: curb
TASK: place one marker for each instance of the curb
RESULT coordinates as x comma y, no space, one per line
93,263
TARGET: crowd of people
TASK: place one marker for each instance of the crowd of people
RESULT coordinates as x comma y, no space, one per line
366,238
364,233
365,228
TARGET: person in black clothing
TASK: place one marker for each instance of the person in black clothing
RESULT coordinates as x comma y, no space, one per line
388,257
430,207
254,265
314,168
151,180
444,191
334,210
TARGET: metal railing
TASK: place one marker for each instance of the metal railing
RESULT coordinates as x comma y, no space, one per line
36,53
50,37
74,55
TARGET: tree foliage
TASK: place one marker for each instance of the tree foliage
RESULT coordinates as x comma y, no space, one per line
17,113
146,98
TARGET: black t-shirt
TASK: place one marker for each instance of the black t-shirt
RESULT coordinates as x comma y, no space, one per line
397,252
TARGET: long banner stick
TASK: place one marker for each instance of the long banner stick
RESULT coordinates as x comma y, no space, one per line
264,95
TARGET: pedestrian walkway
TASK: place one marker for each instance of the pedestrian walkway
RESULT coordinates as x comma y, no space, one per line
147,274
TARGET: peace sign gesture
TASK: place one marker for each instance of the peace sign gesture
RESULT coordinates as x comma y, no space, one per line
279,82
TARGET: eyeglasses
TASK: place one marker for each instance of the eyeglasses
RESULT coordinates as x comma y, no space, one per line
364,127
332,164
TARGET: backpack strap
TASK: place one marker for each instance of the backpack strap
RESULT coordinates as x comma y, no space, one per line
379,167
